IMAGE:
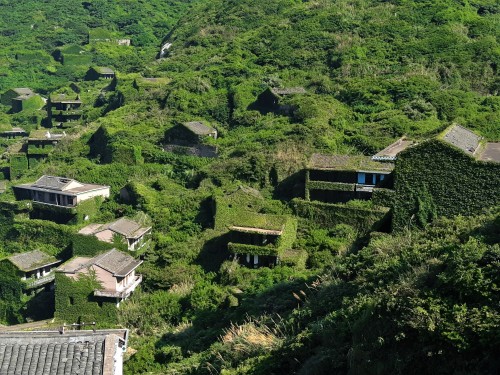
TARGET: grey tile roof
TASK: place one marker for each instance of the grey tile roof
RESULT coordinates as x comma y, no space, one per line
123,226
52,352
128,228
462,138
32,260
198,128
53,182
116,262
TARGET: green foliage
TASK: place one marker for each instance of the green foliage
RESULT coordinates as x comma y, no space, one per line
11,291
18,165
436,179
83,245
75,301
364,219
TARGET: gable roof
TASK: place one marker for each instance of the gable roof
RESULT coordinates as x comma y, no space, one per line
32,260
390,152
463,138
116,262
72,352
128,228
53,182
198,127
23,91
348,163
124,226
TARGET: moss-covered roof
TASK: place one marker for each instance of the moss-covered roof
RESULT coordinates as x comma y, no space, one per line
348,163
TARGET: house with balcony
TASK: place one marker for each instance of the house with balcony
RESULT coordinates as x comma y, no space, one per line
124,230
258,240
60,191
35,269
41,143
341,178
61,199
63,110
114,271
99,72
253,238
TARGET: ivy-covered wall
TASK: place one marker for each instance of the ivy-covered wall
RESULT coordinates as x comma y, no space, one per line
75,302
18,165
329,215
437,179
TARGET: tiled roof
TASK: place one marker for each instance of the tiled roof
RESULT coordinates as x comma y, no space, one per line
116,262
347,162
123,226
128,228
390,152
32,260
52,352
53,182
198,128
462,138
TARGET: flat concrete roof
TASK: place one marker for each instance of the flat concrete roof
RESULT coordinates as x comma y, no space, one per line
491,152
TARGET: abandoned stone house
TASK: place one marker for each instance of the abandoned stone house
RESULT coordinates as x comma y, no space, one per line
259,241
35,269
114,270
255,239
60,191
62,110
85,352
41,143
99,72
190,138
22,98
274,99
123,230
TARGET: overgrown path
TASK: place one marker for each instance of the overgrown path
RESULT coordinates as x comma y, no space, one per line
47,324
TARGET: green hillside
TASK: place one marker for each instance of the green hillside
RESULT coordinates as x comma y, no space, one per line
276,81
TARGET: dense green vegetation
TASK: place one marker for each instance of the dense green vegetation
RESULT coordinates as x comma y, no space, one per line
345,299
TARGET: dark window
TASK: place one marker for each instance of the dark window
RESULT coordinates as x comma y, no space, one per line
52,197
